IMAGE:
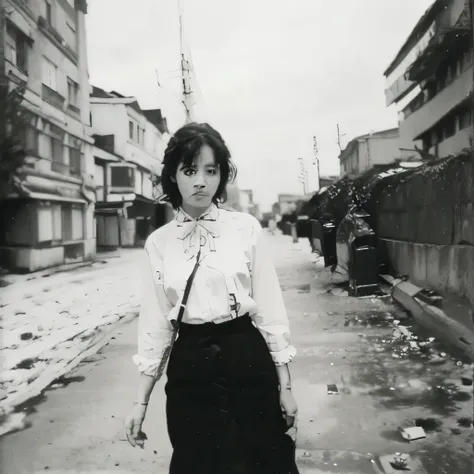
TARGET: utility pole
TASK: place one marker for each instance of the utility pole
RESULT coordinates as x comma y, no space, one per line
316,160
339,136
303,176
185,70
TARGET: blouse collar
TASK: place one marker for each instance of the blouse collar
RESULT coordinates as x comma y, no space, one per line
210,214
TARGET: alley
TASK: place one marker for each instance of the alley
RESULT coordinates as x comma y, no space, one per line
383,383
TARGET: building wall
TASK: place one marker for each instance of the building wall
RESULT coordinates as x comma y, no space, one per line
147,151
370,151
60,170
432,111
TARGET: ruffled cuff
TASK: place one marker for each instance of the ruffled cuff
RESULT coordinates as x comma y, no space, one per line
146,366
285,356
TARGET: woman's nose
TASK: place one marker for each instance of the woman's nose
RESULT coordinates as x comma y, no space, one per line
200,181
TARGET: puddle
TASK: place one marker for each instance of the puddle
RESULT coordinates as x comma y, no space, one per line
64,381
428,424
465,422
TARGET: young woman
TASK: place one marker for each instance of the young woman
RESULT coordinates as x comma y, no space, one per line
229,399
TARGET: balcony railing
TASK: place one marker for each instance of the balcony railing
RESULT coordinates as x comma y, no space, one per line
52,97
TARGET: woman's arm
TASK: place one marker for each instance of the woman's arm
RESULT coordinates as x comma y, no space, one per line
145,387
271,317
284,377
154,329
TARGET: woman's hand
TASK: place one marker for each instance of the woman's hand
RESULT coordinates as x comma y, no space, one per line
288,406
133,426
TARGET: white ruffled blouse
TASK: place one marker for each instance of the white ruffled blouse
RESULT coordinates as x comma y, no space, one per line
236,276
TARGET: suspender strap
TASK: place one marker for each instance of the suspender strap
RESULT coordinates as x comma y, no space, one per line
176,324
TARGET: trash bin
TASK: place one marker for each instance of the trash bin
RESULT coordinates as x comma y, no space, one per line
323,234
356,250
302,226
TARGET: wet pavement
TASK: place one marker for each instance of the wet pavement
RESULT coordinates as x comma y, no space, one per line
363,373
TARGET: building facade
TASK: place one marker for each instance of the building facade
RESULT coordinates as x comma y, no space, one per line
47,219
431,81
364,152
128,154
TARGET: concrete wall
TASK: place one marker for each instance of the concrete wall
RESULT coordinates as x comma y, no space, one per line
445,268
428,225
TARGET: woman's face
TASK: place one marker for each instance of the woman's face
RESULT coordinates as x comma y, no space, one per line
198,182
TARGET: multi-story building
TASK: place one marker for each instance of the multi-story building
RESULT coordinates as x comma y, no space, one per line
128,155
431,81
48,219
367,151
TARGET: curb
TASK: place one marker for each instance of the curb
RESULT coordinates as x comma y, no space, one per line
430,316
53,372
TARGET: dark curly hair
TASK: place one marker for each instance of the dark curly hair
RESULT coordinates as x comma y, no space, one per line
183,147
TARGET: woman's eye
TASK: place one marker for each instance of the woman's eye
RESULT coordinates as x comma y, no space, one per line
188,171
212,171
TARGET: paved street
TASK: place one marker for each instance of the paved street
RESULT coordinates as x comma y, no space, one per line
386,378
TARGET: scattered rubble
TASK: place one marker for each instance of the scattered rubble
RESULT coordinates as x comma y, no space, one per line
44,331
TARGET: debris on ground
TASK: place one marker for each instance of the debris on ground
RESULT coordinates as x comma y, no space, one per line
332,389
413,433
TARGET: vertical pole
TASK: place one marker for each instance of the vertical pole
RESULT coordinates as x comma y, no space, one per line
3,78
471,5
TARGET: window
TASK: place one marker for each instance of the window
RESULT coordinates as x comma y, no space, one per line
49,73
465,119
45,224
30,140
449,127
66,222
137,136
16,48
72,92
130,129
70,35
53,148
75,162
49,12
57,227
122,177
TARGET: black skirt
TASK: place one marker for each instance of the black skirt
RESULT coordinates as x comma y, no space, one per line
223,409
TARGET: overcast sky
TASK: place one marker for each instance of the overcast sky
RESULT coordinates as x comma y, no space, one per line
271,73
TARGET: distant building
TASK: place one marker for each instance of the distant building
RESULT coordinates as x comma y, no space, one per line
246,200
48,219
128,154
364,152
431,80
287,202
